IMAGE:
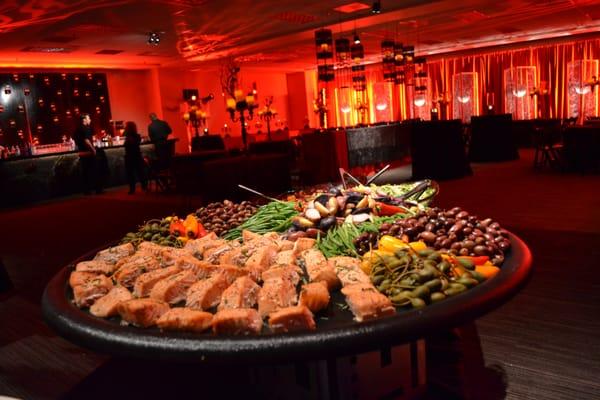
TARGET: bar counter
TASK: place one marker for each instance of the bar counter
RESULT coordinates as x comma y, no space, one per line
41,177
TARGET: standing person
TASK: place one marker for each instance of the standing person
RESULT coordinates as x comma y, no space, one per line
134,163
83,137
159,131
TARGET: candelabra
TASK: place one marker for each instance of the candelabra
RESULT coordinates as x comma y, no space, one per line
244,106
267,113
195,116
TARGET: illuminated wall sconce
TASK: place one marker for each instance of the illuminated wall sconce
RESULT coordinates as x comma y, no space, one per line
39,128
63,76
87,93
76,77
381,106
519,91
7,89
1,108
26,91
419,100
56,119
89,76
59,92
345,108
20,133
52,107
68,113
31,76
582,90
97,110
102,99
76,92
12,123
99,83
76,110
41,102
21,108
463,99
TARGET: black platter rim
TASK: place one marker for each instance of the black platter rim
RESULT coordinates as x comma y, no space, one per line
109,337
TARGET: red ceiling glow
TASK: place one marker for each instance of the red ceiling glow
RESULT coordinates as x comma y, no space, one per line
352,7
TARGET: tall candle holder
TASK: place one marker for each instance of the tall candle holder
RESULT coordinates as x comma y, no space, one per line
195,116
241,108
267,114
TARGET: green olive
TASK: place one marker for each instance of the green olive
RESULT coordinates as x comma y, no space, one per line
400,298
417,302
468,282
425,275
477,275
421,291
465,262
425,252
434,284
444,266
377,279
435,256
437,296
454,288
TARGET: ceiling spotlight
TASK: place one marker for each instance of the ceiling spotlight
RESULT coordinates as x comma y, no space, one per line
376,8
154,38
356,38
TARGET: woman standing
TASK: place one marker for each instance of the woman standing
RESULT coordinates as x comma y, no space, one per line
134,163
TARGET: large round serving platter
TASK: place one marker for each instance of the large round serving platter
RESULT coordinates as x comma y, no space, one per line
337,333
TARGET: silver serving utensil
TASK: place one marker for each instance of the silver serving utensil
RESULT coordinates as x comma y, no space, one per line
381,171
260,194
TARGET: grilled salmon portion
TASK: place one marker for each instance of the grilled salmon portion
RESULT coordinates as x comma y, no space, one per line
285,257
134,266
142,312
288,272
260,260
169,255
206,293
213,254
349,271
145,282
292,319
95,266
248,236
231,272
242,293
198,247
173,289
237,321
79,277
202,269
315,296
276,294
86,294
112,255
366,302
185,319
150,247
106,306
284,245
318,269
303,244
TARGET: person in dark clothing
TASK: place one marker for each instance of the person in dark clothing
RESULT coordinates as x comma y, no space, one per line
134,162
87,155
159,132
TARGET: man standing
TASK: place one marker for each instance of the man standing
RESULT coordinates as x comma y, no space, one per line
87,155
158,130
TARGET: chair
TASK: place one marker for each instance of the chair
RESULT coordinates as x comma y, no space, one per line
160,167
548,147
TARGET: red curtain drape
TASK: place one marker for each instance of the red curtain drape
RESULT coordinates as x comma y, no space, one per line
550,60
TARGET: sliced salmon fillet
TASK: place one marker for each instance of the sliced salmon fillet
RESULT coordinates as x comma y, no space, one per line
237,321
242,293
142,312
173,289
107,305
303,244
95,266
284,245
202,269
231,272
348,270
146,281
276,294
112,255
315,296
80,277
288,272
150,247
366,302
212,255
86,294
134,266
260,260
185,319
292,319
206,293
318,269
285,257
248,236
169,255
198,247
